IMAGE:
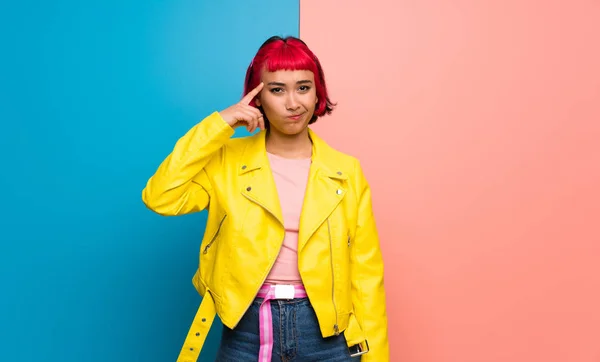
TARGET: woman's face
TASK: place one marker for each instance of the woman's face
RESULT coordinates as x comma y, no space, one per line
288,99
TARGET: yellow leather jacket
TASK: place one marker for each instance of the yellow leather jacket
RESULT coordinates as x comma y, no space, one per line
339,257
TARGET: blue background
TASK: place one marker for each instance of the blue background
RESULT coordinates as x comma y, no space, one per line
93,97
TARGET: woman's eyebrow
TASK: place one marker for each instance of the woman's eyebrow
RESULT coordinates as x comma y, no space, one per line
279,84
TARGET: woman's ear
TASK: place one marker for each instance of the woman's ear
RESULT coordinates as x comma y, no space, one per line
257,101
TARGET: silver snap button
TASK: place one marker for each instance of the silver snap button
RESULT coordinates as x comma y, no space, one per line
244,167
339,192
248,188
339,173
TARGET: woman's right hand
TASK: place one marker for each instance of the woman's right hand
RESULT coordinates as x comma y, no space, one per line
242,114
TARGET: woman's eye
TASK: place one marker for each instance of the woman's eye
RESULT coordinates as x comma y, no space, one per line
276,90
304,88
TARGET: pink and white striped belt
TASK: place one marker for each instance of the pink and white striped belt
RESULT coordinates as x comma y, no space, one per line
268,293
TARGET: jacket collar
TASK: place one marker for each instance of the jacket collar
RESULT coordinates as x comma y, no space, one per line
323,156
325,189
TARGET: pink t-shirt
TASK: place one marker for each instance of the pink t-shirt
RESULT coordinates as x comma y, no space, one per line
291,177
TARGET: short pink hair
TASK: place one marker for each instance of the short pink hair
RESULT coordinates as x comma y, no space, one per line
289,53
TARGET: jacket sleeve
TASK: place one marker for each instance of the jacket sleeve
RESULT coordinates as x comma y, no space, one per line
181,185
368,294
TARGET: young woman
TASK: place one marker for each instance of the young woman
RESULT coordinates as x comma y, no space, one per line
290,260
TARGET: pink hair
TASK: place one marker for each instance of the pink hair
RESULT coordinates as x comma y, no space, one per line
289,54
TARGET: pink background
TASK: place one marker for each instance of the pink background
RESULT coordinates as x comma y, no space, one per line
478,125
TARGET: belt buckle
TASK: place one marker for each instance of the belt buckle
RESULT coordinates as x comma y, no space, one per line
358,349
284,291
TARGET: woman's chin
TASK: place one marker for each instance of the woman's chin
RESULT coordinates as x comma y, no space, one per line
290,128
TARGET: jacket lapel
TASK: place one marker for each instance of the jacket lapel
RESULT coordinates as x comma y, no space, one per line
258,184
325,190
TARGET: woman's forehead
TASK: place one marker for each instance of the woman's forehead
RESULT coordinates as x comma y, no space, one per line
287,76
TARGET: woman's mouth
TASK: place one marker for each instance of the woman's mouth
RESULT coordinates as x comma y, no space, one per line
296,117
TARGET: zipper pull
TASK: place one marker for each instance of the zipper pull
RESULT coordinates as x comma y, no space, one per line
348,240
206,249
336,329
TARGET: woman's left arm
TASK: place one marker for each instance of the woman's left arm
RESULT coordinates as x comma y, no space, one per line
368,293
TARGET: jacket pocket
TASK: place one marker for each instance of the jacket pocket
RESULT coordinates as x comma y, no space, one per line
210,253
215,236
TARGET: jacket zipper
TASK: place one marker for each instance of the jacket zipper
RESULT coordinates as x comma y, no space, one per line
215,236
335,326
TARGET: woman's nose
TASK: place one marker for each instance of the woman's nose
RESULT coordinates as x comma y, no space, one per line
291,103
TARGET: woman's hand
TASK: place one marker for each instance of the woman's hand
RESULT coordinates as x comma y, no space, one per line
242,114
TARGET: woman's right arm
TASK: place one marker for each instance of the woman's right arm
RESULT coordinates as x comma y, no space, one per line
180,185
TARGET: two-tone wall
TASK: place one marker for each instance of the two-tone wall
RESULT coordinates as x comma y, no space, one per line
478,125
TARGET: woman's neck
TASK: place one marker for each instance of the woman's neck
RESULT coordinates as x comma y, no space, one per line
289,146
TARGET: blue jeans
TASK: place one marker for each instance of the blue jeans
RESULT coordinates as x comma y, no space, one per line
296,336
